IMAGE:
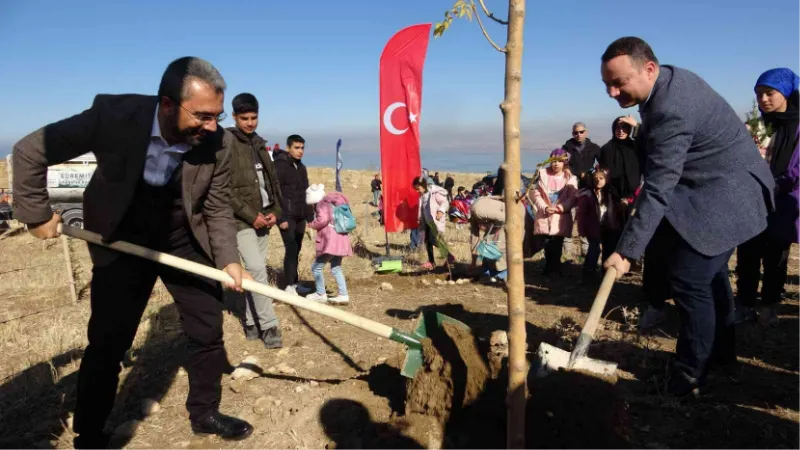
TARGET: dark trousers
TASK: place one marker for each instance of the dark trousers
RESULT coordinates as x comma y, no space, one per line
770,252
604,247
553,249
703,296
414,243
430,242
293,242
119,295
655,280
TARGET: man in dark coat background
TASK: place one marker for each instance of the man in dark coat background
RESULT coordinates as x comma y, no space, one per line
582,154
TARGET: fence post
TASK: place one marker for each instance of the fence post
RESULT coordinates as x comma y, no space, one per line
70,275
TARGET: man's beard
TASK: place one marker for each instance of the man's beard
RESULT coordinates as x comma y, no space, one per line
192,136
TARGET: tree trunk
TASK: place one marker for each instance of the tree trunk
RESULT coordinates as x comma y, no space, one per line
511,107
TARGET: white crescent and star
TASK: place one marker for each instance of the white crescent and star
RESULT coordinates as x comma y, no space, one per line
387,118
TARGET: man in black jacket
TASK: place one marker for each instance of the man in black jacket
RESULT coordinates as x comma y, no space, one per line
162,181
295,212
582,154
255,198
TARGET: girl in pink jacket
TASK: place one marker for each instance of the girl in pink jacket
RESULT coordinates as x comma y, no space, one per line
331,246
554,198
433,206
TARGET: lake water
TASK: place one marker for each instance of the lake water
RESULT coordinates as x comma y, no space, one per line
450,161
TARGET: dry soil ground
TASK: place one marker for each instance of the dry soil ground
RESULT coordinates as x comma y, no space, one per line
336,386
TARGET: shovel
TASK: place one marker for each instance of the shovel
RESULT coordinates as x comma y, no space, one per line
550,359
413,360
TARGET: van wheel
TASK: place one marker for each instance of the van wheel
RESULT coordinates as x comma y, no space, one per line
73,218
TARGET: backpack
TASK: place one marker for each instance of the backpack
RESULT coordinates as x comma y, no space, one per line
488,249
343,220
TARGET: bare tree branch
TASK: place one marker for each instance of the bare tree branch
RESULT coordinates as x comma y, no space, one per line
491,15
485,34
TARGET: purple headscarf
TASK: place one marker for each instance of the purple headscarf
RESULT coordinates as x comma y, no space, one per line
560,153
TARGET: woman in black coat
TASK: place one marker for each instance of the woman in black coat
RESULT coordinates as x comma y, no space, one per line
622,160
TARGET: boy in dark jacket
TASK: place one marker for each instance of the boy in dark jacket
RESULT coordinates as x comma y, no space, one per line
255,198
295,212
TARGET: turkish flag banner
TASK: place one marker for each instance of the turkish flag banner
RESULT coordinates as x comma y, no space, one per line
400,106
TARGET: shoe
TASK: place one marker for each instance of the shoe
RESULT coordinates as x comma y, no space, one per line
317,297
651,318
744,314
271,337
226,427
91,440
251,332
768,316
682,385
290,289
340,300
302,290
427,266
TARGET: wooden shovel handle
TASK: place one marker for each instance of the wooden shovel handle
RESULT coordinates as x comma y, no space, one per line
218,275
599,302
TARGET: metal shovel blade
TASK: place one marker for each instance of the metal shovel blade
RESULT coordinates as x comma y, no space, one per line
551,359
428,322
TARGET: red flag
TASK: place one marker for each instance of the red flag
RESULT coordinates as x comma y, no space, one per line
400,106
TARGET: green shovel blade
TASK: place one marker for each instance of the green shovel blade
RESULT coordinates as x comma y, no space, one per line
393,266
427,322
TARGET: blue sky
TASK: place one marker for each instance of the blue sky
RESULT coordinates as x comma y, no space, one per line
313,64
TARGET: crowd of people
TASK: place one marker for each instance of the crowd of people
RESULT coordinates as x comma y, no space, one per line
681,191
678,193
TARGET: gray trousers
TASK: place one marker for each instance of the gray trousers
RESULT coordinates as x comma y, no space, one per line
253,250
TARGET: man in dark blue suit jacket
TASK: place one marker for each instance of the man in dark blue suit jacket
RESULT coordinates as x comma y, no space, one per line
706,190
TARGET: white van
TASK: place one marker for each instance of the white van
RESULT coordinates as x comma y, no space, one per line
65,185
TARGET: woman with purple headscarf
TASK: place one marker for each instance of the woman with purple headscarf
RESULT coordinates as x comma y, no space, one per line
779,102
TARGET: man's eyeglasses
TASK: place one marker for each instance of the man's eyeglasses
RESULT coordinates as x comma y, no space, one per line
203,117
578,132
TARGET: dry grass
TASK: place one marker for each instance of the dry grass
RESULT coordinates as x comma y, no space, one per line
39,322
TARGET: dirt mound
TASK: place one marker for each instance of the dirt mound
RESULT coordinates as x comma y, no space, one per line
567,409
452,377
576,409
